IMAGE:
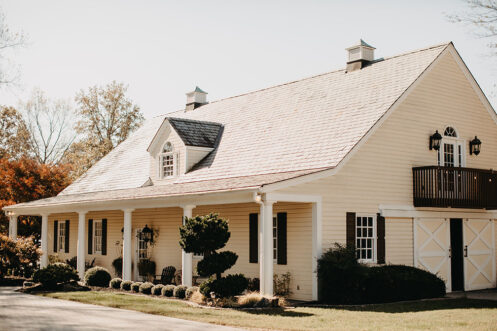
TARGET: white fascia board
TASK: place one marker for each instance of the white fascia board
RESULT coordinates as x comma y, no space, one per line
197,148
331,171
283,197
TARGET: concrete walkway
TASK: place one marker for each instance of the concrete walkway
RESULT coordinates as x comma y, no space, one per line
29,312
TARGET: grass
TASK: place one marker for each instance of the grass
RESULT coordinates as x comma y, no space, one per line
444,314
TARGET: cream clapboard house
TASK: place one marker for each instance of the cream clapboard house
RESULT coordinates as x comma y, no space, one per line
347,156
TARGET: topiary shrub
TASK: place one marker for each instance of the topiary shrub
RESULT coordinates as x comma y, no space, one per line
157,289
55,274
97,276
135,287
204,235
180,291
168,290
228,286
115,283
343,280
126,285
146,288
189,292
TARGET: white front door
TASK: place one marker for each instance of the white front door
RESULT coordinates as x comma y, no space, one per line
479,254
141,253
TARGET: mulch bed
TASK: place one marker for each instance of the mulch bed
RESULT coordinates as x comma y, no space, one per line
68,287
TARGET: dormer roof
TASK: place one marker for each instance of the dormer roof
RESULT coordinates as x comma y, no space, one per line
196,133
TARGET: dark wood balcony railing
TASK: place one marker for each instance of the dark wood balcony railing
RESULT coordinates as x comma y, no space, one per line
435,186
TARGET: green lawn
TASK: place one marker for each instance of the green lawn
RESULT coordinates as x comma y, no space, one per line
449,314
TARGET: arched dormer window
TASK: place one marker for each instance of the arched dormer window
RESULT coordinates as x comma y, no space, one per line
167,161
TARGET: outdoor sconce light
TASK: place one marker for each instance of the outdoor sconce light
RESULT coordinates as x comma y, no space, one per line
147,234
435,140
474,146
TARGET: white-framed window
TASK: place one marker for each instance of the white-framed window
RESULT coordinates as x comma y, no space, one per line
97,237
365,227
62,236
275,239
167,161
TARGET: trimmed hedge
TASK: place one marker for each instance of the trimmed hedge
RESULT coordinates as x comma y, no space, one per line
146,288
115,283
97,276
168,290
135,287
225,287
157,289
126,285
343,280
55,273
179,291
189,292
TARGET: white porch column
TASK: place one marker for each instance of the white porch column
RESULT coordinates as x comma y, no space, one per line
317,244
44,241
127,244
81,244
266,276
13,226
187,258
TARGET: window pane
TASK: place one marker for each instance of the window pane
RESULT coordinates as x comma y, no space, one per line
358,221
370,221
370,232
369,254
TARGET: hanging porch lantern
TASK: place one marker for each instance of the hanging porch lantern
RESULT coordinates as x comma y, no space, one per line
435,140
474,146
147,234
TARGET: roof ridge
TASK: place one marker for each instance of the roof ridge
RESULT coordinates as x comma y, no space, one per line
318,75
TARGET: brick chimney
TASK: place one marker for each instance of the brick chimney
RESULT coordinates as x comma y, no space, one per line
195,99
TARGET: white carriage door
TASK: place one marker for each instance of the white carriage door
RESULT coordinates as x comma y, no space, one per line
479,254
431,247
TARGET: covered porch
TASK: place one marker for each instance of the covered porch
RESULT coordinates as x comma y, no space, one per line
247,211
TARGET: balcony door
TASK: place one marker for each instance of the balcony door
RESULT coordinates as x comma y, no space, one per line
451,154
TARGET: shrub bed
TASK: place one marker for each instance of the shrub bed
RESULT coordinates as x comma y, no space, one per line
126,285
189,292
146,288
228,286
343,280
168,290
97,276
54,274
157,289
135,287
115,283
179,291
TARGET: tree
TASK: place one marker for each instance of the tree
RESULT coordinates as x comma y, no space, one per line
9,41
49,124
482,18
19,256
204,235
26,180
107,118
14,135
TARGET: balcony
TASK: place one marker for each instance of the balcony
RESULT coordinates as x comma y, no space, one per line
444,187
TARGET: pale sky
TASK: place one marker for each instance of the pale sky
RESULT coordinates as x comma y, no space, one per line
163,49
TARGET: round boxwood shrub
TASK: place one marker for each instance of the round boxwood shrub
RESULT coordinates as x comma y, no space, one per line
189,292
179,291
146,288
168,290
126,285
115,283
54,274
97,276
157,289
135,287
224,287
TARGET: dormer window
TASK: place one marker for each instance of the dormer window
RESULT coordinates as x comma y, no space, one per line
167,161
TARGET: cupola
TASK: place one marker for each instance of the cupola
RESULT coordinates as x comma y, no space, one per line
195,99
359,55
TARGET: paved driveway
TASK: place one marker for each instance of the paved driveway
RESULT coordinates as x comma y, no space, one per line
28,312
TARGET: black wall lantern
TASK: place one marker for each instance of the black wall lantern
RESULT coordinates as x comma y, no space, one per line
147,234
474,146
435,140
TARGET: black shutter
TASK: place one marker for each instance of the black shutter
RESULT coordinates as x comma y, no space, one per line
380,242
282,242
90,236
66,244
253,242
55,235
350,229
104,236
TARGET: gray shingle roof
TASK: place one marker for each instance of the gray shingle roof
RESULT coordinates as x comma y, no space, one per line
268,135
196,133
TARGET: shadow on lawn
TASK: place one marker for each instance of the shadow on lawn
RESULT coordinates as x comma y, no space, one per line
418,306
278,312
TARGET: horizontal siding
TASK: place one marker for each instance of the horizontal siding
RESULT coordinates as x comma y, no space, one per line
399,241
